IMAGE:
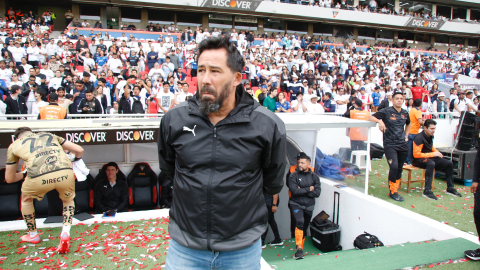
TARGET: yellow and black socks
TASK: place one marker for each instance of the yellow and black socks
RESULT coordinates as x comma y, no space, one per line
28,213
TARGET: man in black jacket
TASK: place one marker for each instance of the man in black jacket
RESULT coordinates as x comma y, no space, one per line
111,194
475,254
89,105
304,186
204,149
15,102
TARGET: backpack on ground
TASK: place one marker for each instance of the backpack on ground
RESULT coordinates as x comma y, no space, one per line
366,240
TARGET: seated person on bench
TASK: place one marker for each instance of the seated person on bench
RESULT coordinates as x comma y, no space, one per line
111,194
425,156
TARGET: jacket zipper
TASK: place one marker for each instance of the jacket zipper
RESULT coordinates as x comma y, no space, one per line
209,199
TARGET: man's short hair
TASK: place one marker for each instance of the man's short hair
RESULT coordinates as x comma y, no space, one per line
53,97
14,88
234,59
397,93
88,91
328,94
79,82
417,102
102,80
429,122
20,130
86,74
112,164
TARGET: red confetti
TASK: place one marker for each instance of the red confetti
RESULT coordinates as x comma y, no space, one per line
412,206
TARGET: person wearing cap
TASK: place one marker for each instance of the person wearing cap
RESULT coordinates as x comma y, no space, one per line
294,87
313,106
304,186
52,110
394,122
462,104
440,106
358,136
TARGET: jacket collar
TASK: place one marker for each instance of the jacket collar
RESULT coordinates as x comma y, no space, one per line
240,114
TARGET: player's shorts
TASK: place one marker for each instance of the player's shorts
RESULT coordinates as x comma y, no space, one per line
63,181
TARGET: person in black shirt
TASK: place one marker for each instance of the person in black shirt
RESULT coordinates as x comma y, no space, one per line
89,105
132,61
394,122
111,193
425,156
475,254
86,81
15,102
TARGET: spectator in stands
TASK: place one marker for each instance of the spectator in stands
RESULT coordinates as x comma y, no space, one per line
28,92
328,104
89,104
110,193
16,103
313,106
98,24
425,156
68,17
165,99
270,100
167,68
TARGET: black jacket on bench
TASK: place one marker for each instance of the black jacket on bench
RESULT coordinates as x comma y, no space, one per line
108,197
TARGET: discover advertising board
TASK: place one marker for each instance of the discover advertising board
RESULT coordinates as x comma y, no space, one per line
424,23
245,5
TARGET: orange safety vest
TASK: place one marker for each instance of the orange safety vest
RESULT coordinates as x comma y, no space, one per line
292,169
359,134
52,111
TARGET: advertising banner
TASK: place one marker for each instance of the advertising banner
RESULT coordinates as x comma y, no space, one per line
97,137
424,23
245,5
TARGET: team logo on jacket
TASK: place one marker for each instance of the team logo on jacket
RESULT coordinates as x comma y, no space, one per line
190,130
393,117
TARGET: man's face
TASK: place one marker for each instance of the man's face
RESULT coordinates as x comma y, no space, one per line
441,98
185,88
89,96
215,80
430,130
166,88
79,87
111,172
398,101
470,95
86,79
303,164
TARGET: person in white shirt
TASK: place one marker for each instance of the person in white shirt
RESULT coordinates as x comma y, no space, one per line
234,36
299,105
365,98
47,72
181,96
5,73
313,106
115,65
25,65
38,103
17,53
342,100
56,82
155,72
51,48
33,54
165,99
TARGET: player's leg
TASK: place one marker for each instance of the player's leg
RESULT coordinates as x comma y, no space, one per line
28,213
392,160
66,190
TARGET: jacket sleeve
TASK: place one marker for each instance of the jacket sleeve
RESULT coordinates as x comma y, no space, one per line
417,151
274,160
318,188
293,186
123,204
476,167
80,106
98,107
166,153
99,206
8,110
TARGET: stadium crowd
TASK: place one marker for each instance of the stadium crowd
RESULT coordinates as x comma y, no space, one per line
286,73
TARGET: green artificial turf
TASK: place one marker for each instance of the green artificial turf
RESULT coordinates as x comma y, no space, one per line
454,211
421,254
110,245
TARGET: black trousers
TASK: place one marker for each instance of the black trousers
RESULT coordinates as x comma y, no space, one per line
358,145
396,156
272,223
302,218
476,210
439,164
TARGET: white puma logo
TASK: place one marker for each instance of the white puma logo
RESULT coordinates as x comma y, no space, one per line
105,186
189,129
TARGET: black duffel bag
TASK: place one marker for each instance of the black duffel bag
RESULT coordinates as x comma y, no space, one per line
366,240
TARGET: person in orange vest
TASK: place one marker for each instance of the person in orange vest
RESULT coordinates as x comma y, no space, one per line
358,136
19,14
10,14
52,110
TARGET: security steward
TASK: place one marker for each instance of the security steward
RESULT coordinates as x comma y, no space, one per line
394,122
47,168
358,136
292,169
52,110
425,156
304,186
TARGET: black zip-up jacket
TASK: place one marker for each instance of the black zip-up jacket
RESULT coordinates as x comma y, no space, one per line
108,197
395,123
16,106
221,172
303,196
96,110
476,167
